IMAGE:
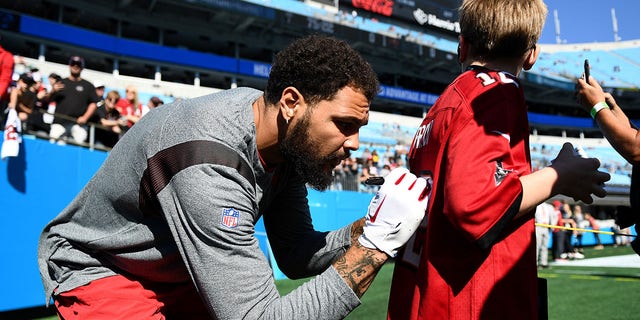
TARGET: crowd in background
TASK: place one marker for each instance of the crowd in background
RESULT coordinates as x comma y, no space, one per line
571,222
66,109
375,161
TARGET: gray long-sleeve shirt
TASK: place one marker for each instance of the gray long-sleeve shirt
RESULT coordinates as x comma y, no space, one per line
177,200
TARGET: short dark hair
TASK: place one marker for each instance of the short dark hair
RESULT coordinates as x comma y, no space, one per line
156,101
319,66
55,76
27,79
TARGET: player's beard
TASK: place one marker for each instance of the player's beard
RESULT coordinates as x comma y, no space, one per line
301,150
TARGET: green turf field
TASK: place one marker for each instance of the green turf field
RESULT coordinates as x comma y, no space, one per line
575,293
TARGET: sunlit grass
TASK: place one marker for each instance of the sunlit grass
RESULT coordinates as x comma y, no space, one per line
575,293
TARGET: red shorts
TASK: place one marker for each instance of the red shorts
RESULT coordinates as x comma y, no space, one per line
118,297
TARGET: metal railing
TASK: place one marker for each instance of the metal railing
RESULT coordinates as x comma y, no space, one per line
91,143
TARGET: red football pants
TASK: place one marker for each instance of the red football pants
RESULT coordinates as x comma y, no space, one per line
118,297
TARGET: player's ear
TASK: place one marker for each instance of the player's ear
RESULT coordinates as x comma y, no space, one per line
531,58
463,49
289,102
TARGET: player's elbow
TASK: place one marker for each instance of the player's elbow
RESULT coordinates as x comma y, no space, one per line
292,272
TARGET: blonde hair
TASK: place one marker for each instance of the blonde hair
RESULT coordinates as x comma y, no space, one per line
135,101
113,95
497,29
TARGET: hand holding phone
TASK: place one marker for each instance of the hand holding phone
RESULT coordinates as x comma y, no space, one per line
586,70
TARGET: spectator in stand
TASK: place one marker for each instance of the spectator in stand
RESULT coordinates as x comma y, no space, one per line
375,158
39,86
569,251
581,223
366,155
36,121
401,150
624,138
558,235
621,238
368,171
594,225
6,78
99,85
346,175
75,100
388,155
153,103
476,258
52,79
46,101
22,98
545,214
130,106
338,177
385,170
109,118
400,161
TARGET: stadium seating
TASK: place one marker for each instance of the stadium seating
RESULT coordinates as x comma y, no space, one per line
614,65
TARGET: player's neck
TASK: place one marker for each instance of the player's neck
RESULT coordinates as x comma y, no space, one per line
267,132
510,66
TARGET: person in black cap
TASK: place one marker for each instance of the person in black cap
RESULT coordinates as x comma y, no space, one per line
22,99
75,100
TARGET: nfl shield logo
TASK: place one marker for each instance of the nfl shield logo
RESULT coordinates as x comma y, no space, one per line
230,217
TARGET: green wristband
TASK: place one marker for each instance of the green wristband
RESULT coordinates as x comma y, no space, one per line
597,107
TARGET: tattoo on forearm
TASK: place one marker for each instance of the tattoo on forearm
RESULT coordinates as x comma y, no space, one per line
356,230
360,271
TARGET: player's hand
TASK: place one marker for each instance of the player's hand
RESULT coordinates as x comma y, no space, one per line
395,212
578,177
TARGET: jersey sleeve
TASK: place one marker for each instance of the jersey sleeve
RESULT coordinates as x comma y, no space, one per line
482,185
210,210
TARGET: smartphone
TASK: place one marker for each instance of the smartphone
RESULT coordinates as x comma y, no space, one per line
586,70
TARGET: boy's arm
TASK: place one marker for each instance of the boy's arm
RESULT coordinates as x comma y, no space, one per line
569,175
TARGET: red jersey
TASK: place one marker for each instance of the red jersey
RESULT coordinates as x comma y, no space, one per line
472,259
127,108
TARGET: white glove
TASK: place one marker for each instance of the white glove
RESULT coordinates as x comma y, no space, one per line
395,212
